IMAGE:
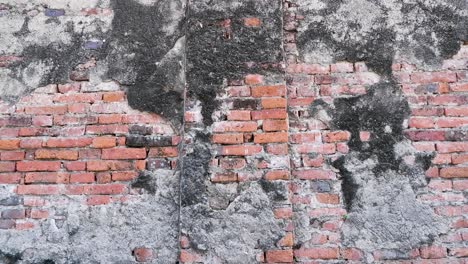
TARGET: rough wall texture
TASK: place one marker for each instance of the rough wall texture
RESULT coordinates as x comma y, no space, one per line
233,131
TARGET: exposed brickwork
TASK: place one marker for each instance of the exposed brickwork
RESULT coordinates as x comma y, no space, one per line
81,144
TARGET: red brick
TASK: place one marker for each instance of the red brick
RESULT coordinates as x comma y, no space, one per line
314,174
425,135
89,153
327,198
56,154
24,225
459,158
98,200
275,256
69,87
42,120
37,189
252,22
269,91
14,214
269,114
75,165
232,163
240,150
103,177
239,115
113,96
252,79
274,137
336,136
12,155
9,132
277,149
317,253
124,153
38,165
457,111
277,175
46,177
7,166
10,178
433,77
454,172
235,126
105,165
82,177
351,254
433,252
228,138
421,122
224,177
274,125
189,257
143,254
427,111
110,119
163,152
459,252
447,99
305,137
449,147
269,103
68,142
283,213
459,87
46,110
78,98
104,142
9,144
39,214
316,148
312,160
124,175
106,129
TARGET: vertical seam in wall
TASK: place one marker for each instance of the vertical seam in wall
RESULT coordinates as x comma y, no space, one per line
284,66
182,129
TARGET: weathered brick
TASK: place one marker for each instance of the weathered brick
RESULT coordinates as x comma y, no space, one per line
448,147
240,150
273,137
105,165
277,175
46,177
285,255
238,115
38,165
235,126
12,155
317,253
82,177
274,125
269,91
37,189
9,144
252,79
143,254
232,163
68,142
252,22
163,152
327,198
56,154
269,114
454,172
433,252
314,174
123,153
336,136
103,142
148,141
224,177
124,175
227,138
9,178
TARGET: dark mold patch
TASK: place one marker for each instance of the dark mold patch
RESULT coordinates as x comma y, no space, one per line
145,181
195,173
276,190
221,48
427,31
146,58
8,258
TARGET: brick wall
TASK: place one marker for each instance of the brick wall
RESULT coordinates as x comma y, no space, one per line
81,144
